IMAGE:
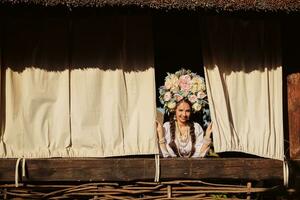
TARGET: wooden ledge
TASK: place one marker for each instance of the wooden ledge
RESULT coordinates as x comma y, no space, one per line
135,169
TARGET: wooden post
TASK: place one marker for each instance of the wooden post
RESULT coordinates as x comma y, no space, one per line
169,189
293,90
4,193
291,66
249,190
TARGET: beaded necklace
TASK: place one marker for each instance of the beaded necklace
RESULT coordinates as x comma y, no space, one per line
183,139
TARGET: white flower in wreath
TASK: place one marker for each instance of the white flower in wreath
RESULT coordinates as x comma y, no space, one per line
171,105
198,84
194,88
171,82
197,107
167,96
202,84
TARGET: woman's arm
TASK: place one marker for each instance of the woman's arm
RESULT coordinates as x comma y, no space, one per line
206,141
161,139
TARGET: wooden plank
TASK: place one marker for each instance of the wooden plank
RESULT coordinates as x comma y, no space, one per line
233,168
134,169
294,114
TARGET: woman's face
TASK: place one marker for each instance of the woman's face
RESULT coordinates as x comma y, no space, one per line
183,112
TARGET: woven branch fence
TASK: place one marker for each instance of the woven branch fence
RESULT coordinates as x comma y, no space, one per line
183,189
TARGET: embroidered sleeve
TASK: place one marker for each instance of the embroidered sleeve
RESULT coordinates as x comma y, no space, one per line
166,128
199,142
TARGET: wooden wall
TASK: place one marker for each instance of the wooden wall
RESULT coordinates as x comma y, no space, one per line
291,64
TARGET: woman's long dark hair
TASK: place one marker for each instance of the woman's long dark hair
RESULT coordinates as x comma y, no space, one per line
172,143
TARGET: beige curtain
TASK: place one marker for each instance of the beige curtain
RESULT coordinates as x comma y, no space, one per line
113,94
1,101
36,88
80,87
244,83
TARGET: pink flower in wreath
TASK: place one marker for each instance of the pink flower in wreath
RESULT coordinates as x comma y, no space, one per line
201,95
185,82
178,97
192,98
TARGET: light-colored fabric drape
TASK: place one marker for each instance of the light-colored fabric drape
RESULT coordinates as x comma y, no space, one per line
113,99
1,106
112,113
244,84
37,120
36,88
79,88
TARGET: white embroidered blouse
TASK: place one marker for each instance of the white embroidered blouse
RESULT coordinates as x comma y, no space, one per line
184,147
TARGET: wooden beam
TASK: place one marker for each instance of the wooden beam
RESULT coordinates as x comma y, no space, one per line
294,114
134,169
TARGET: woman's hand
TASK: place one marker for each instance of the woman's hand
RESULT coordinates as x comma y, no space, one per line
208,131
206,141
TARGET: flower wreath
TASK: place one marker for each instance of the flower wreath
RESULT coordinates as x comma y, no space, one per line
183,85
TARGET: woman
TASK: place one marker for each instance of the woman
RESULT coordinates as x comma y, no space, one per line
182,94
182,138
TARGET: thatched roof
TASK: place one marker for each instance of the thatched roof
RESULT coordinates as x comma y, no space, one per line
222,5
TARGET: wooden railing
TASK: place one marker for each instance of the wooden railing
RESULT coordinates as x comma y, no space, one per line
135,169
